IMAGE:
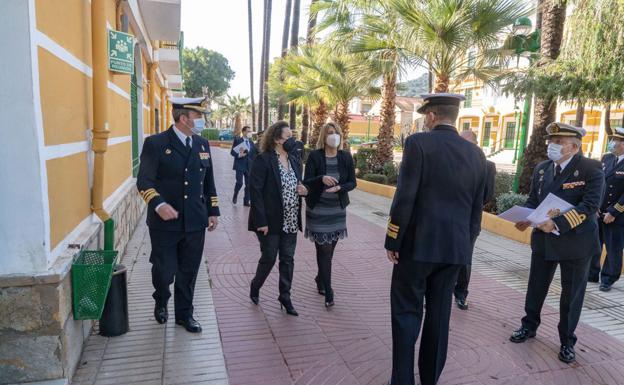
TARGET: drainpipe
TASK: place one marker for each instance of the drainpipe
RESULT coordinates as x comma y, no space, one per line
168,114
99,39
152,101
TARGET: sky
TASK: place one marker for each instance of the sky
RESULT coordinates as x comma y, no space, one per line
221,25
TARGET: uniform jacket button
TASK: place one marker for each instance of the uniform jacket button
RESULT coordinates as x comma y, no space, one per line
201,196
185,196
201,169
185,183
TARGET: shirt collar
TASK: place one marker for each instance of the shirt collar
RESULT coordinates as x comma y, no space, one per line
564,164
182,136
619,158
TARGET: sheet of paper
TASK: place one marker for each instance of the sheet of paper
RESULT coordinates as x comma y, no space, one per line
516,214
238,148
551,207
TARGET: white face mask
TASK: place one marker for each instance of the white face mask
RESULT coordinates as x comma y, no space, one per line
555,151
249,135
198,126
333,140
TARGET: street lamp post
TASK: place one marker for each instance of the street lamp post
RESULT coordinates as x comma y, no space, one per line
368,117
524,42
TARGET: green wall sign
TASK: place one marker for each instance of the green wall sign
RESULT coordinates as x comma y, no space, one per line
120,52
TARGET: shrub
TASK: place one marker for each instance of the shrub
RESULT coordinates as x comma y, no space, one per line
503,183
364,161
376,178
210,134
507,200
391,171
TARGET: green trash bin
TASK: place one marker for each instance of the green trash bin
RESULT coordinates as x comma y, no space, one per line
91,278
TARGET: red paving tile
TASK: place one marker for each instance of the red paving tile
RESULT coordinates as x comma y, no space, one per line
350,343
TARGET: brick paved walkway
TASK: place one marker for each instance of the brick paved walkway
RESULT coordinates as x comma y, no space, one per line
349,344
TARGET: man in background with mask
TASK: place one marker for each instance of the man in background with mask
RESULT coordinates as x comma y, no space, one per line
579,181
434,221
242,163
611,221
177,183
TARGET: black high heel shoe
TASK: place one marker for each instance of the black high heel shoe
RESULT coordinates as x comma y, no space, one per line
286,304
329,300
254,294
319,286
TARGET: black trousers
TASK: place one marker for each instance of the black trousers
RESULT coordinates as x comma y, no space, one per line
612,237
574,275
411,282
324,256
242,176
270,246
463,279
176,256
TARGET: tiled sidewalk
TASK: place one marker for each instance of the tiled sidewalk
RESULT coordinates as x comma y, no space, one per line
349,344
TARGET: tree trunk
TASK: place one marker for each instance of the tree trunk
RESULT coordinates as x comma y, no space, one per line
294,42
251,66
441,83
281,105
262,65
305,114
608,128
580,114
342,118
319,118
385,139
305,123
430,78
552,20
265,96
237,125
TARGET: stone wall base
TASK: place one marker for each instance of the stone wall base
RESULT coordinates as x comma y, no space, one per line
39,338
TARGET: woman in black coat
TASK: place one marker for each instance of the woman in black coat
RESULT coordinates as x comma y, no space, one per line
329,176
275,214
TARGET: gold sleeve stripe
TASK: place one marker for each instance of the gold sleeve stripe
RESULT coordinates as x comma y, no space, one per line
393,227
571,220
215,204
619,207
152,196
146,192
393,234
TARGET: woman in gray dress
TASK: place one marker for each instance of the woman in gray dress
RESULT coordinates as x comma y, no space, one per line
329,176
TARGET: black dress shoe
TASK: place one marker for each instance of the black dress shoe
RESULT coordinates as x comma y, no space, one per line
286,304
567,354
234,199
604,287
190,324
593,279
329,299
161,314
254,294
461,303
521,335
319,286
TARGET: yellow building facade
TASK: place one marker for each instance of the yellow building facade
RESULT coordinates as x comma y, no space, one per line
60,102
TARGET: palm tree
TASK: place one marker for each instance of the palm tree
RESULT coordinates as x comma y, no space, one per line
294,42
251,67
236,106
320,76
281,106
263,115
378,39
305,113
440,32
552,15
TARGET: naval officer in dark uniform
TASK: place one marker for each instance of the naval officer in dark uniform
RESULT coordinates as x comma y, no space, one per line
177,183
434,220
463,279
611,220
242,163
579,181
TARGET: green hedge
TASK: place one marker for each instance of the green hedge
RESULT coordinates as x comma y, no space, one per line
210,134
507,200
376,178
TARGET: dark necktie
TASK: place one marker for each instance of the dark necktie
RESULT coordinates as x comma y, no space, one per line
557,171
188,143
